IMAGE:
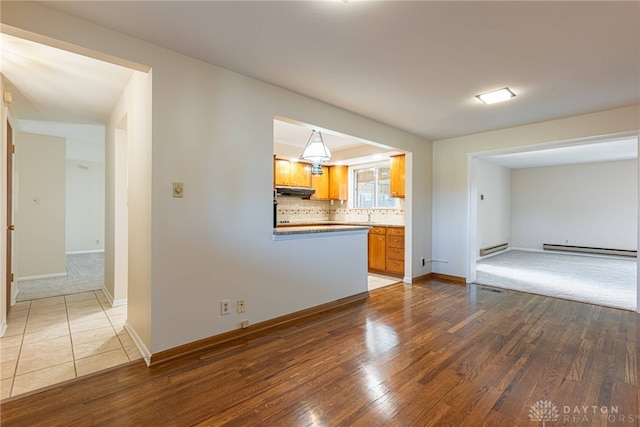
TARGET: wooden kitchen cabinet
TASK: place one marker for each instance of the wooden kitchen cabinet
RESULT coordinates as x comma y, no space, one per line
282,172
300,174
291,174
320,183
397,175
395,250
338,182
386,250
377,249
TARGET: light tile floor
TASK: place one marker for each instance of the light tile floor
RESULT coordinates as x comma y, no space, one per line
376,281
55,339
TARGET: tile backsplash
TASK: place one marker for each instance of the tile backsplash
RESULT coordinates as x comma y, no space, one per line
294,210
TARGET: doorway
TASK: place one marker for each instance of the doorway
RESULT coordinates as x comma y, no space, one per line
562,193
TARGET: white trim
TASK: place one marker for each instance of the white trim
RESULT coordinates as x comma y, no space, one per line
113,302
407,279
15,291
144,352
43,276
3,328
84,252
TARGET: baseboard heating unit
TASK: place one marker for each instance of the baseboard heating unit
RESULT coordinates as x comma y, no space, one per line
589,250
492,249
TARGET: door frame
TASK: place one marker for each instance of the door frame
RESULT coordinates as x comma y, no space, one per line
9,242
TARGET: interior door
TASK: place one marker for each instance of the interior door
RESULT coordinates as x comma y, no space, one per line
9,212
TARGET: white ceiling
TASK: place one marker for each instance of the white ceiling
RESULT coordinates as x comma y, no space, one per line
598,151
50,84
413,65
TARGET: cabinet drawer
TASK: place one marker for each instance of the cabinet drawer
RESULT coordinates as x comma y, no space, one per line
395,266
395,231
395,241
395,254
377,230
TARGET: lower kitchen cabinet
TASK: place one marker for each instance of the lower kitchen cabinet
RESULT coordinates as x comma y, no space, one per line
395,250
377,248
386,250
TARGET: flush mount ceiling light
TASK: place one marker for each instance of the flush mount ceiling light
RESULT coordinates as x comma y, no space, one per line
496,96
316,152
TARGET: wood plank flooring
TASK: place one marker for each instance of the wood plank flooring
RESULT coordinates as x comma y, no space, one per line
430,353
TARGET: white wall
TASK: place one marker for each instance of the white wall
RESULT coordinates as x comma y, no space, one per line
452,214
40,211
84,206
213,130
494,211
593,204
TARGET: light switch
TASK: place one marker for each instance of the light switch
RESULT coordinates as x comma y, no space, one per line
178,189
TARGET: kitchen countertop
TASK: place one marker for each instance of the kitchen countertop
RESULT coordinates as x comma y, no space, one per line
292,231
336,223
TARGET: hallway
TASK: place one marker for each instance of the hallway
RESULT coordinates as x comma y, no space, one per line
56,339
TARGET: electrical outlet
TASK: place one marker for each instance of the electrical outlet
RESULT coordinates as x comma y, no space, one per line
241,306
225,307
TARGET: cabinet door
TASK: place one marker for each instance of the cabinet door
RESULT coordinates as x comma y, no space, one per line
377,255
300,174
338,182
397,175
282,172
320,183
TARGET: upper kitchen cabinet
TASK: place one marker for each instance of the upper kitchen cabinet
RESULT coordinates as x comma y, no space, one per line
338,182
300,174
397,175
291,174
282,172
320,183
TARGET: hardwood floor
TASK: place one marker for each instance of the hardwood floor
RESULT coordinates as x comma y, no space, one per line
430,353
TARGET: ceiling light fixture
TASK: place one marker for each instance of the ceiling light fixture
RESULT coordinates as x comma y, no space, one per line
316,152
496,96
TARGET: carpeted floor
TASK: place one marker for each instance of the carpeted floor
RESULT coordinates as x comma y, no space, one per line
85,272
597,280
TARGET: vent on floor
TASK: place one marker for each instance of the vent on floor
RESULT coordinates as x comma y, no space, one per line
497,291
492,249
586,249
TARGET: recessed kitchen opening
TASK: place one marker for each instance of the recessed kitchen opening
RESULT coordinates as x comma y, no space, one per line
360,187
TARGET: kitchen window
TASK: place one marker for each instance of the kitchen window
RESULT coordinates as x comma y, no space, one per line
372,187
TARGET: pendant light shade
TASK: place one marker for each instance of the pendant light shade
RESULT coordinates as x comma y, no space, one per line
316,152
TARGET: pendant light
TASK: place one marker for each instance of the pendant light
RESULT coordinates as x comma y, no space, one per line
316,152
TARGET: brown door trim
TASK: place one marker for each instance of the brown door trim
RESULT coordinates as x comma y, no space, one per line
9,225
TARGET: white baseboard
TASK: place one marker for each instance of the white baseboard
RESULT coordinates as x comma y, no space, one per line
15,291
3,328
112,301
95,251
43,276
144,351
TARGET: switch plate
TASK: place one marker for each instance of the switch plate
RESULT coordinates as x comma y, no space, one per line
241,306
178,189
225,307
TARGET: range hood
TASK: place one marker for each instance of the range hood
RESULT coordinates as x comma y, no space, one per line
303,192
